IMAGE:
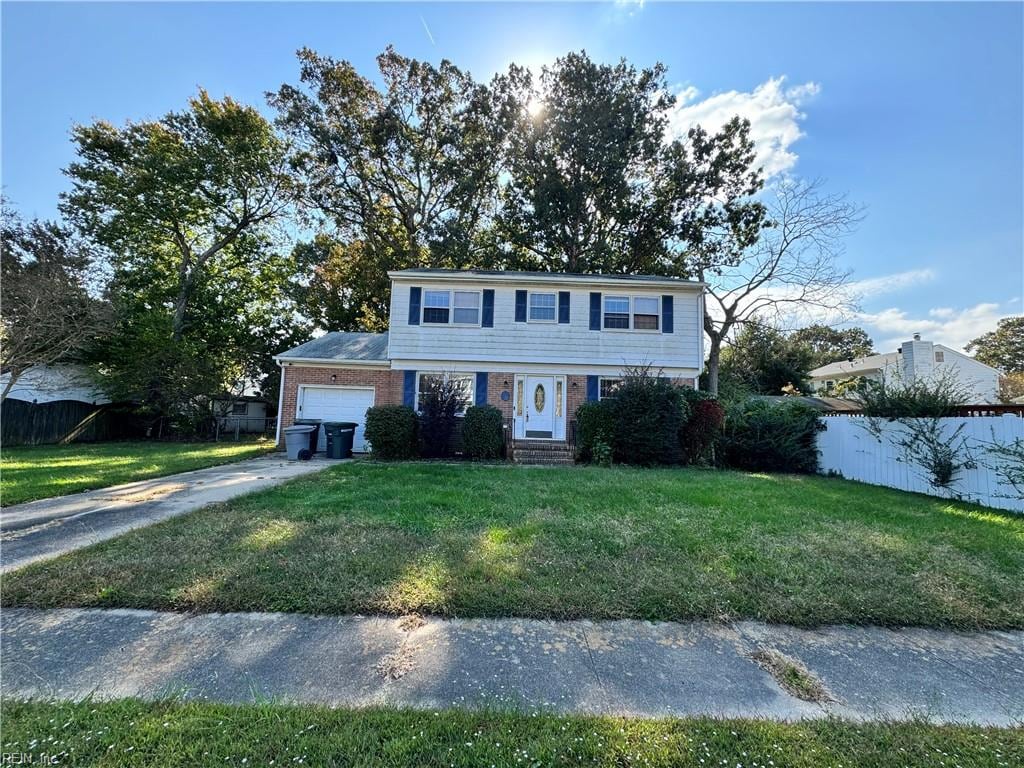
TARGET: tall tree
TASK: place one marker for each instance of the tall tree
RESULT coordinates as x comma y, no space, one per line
48,315
1002,348
179,192
830,345
596,184
409,170
186,209
762,360
790,271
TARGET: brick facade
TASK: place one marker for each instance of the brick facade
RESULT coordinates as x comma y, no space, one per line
387,385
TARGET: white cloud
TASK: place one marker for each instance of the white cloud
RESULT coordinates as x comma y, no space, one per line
944,325
877,286
772,109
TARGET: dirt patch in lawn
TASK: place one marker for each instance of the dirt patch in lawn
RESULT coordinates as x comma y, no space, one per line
793,676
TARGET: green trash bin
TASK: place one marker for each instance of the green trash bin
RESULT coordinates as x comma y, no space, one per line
314,436
340,435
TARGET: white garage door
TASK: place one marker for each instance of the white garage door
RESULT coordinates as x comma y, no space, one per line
337,404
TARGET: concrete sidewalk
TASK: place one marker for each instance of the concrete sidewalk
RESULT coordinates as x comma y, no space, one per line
621,667
38,530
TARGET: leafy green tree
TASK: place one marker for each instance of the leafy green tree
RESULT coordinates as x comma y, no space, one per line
830,345
1002,348
409,170
49,315
596,184
185,209
762,360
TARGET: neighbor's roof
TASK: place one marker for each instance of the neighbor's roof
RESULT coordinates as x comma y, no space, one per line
541,277
361,347
821,403
859,365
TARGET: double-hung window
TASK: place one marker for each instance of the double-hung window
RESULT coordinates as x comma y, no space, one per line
543,307
467,308
239,409
464,386
616,312
436,307
607,388
646,311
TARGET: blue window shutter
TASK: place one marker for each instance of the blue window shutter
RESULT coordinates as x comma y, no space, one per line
563,306
666,314
592,389
488,309
481,389
595,312
409,388
414,305
520,306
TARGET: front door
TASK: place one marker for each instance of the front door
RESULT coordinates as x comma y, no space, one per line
539,406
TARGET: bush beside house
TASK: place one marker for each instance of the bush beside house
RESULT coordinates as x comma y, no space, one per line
393,431
761,436
482,436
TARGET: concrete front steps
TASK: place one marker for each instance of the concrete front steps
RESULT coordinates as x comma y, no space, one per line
545,452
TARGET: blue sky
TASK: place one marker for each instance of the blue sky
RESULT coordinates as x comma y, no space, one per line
914,110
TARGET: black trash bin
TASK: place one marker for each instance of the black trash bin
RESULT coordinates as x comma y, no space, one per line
339,438
314,436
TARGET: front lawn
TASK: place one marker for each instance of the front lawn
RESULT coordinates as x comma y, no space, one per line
132,733
562,543
32,472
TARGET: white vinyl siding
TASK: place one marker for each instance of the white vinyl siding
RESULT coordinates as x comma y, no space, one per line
546,343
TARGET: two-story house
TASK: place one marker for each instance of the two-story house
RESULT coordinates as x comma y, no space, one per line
532,344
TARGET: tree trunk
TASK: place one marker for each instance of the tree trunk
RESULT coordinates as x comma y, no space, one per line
15,374
714,354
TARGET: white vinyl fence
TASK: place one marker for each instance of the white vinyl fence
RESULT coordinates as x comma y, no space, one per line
849,448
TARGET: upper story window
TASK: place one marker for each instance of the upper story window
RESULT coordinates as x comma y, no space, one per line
940,356
436,306
467,308
451,308
616,312
543,307
641,313
646,312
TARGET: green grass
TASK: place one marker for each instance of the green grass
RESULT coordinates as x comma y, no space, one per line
42,471
562,543
166,734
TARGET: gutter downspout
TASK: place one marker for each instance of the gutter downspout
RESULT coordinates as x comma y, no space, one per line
280,405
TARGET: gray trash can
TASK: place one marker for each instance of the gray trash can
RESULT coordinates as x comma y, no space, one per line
314,438
340,435
296,440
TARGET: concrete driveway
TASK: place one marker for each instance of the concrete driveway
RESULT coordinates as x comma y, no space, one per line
39,530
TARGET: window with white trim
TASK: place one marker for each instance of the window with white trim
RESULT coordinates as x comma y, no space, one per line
436,307
543,307
239,409
940,356
646,313
465,381
607,387
467,308
616,312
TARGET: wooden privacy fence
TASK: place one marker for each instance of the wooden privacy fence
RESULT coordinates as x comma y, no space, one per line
61,421
849,448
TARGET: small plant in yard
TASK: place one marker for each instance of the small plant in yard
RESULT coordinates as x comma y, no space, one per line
1007,461
926,444
703,427
442,398
601,453
482,436
392,431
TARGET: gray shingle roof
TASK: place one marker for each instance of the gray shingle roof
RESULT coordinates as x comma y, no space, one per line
553,275
367,347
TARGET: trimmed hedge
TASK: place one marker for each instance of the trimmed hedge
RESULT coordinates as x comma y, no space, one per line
393,431
761,436
595,423
482,436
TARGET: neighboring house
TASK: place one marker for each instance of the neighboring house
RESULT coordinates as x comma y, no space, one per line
915,360
51,383
535,345
247,413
